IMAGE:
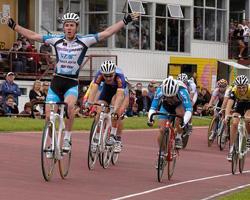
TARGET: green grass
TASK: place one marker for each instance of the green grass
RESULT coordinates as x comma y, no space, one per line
10,124
241,195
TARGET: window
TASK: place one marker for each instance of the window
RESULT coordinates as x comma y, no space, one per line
48,14
210,20
96,17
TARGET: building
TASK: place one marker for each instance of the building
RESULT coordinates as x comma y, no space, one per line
172,37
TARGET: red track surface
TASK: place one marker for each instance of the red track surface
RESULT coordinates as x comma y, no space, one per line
21,178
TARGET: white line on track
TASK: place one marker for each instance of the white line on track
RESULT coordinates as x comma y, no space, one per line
226,191
173,185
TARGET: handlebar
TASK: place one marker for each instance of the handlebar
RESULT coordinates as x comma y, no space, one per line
164,114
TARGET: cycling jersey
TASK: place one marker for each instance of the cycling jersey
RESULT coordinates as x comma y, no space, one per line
70,54
183,99
236,96
191,87
228,91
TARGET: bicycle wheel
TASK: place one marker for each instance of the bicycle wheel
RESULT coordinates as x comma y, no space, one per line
185,137
172,154
114,158
235,159
107,150
223,136
210,131
243,154
92,150
48,160
64,162
162,155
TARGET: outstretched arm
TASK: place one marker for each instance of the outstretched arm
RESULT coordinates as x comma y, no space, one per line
118,26
23,31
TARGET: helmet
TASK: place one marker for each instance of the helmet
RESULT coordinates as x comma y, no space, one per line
241,80
222,83
69,17
108,67
182,77
169,87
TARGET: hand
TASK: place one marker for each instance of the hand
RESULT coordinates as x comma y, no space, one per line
11,23
130,17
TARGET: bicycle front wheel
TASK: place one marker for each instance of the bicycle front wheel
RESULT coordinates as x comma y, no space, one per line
210,132
107,150
234,162
162,162
114,158
48,160
172,154
93,148
64,162
243,152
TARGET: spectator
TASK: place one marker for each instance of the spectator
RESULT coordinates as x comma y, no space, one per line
1,106
45,88
18,60
130,112
138,90
10,106
202,100
27,109
33,58
160,38
151,89
238,34
36,92
143,102
59,20
45,49
10,88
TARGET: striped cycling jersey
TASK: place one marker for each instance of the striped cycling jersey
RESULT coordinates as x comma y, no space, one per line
70,54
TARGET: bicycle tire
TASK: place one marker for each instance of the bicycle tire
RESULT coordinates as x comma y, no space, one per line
242,164
223,137
185,137
107,151
234,161
211,126
172,154
47,164
64,162
92,156
244,150
162,162
114,158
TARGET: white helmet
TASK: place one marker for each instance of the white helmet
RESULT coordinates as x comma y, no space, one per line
169,87
183,77
241,80
108,67
70,17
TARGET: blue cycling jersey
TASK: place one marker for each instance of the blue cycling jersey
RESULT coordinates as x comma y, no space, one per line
182,95
70,54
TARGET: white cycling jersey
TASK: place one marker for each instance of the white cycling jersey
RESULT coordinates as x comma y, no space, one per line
70,54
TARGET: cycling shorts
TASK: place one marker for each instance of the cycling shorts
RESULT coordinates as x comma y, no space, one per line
241,107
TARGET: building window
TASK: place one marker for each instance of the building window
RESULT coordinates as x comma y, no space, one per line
96,18
210,20
48,11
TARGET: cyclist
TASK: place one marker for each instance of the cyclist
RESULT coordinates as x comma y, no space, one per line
240,98
70,49
171,97
113,93
191,87
217,99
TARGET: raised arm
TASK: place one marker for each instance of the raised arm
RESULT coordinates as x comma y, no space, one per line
118,26
23,31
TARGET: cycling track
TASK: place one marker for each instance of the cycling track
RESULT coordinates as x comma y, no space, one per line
201,172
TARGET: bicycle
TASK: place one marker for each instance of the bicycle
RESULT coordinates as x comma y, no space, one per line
52,139
167,152
216,127
99,133
239,148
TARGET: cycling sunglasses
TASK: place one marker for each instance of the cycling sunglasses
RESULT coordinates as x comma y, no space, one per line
108,75
241,87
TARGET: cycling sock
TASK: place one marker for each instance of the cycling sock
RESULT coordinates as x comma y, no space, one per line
113,131
67,135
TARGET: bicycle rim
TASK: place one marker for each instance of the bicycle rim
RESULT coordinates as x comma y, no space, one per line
92,156
162,162
64,162
172,154
47,164
223,137
211,127
234,161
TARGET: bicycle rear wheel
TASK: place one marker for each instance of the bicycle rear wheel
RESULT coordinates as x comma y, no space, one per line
92,155
210,131
234,162
185,137
172,154
48,160
64,162
162,162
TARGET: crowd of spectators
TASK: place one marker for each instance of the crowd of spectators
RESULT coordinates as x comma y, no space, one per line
24,57
239,39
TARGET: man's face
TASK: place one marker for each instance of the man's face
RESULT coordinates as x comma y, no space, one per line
10,102
109,78
70,29
222,89
242,89
10,77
